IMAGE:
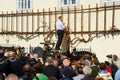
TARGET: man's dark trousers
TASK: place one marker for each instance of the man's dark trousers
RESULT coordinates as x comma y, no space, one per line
60,34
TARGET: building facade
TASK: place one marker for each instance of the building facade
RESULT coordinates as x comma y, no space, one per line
89,20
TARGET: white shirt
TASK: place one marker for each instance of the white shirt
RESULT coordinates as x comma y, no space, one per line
59,25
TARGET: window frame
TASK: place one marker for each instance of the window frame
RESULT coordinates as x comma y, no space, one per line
109,3
69,3
24,5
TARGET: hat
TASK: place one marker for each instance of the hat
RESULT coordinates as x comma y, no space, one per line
49,55
109,56
64,53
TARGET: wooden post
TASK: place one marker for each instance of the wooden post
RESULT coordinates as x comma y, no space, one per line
75,20
105,20
89,20
97,20
16,21
55,18
21,21
27,28
2,21
49,21
68,24
7,22
113,18
82,20
38,19
12,21
32,22
43,22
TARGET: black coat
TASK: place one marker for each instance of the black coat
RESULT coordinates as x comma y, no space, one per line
15,67
50,71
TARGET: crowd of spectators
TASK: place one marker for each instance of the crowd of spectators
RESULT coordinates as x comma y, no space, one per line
18,65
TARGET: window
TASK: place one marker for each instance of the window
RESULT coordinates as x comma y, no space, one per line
67,2
24,5
72,1
64,2
109,2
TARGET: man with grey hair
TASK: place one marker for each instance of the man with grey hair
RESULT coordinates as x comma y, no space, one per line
87,71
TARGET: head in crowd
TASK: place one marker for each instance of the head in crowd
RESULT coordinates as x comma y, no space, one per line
64,55
35,56
26,68
55,63
49,56
75,64
87,70
107,63
68,73
10,54
99,78
38,68
60,18
102,66
80,70
66,62
52,78
114,57
109,57
11,77
49,62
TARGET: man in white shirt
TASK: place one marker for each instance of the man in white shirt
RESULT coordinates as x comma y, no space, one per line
60,32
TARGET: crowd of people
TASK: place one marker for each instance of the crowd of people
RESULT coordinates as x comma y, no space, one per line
18,65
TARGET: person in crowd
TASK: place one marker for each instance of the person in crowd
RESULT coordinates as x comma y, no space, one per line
80,74
95,68
109,58
12,77
87,72
3,65
103,72
22,51
62,57
50,70
38,75
75,65
27,69
117,74
67,74
15,65
66,67
108,68
74,55
36,57
99,78
52,78
115,59
60,32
